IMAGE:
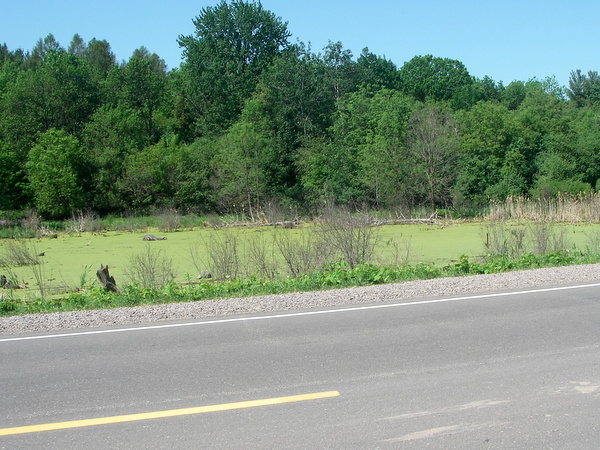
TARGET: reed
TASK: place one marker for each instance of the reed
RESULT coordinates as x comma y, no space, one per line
564,208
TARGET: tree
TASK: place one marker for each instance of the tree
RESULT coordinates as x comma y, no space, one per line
376,72
193,189
42,47
292,105
487,130
100,57
428,77
77,46
55,169
433,142
369,135
584,89
148,176
341,69
59,94
232,45
12,192
112,133
238,168
142,85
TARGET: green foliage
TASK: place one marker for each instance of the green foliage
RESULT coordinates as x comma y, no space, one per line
56,169
232,45
249,120
432,78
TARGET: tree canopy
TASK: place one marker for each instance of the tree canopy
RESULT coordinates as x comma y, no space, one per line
250,119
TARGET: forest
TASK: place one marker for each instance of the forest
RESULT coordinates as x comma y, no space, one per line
252,121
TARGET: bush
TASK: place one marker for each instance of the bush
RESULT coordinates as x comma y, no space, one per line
150,269
352,236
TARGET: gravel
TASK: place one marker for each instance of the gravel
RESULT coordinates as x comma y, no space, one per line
556,276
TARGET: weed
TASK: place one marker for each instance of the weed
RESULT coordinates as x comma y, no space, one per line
168,220
39,275
353,236
18,253
150,269
503,238
85,270
260,256
84,221
31,220
223,254
301,253
546,238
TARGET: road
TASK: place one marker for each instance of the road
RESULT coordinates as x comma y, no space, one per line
508,370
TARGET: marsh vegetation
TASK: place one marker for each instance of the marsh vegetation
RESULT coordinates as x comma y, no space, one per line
52,266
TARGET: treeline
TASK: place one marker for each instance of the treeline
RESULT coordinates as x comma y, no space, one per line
250,119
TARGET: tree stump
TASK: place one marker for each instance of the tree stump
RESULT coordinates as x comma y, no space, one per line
106,280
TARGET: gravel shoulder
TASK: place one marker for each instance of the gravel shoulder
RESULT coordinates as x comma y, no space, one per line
556,276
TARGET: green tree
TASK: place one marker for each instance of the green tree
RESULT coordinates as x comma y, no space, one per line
55,169
99,56
584,89
341,69
148,178
328,173
232,45
293,105
487,130
376,71
429,77
193,189
369,136
112,133
238,167
77,46
142,88
12,193
433,142
59,94
43,47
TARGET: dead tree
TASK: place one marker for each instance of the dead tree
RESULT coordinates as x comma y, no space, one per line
106,280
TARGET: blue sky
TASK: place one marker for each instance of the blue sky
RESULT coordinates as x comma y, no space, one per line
506,40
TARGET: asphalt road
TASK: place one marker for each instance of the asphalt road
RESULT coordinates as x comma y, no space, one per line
504,371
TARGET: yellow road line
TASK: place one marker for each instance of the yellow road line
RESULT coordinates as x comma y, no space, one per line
163,414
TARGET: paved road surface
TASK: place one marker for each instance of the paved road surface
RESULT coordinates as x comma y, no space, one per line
503,371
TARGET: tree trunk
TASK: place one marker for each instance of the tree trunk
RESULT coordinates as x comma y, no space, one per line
106,280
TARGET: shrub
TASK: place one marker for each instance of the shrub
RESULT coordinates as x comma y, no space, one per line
352,236
302,253
150,269
223,254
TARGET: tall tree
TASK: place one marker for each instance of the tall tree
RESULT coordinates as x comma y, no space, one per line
100,57
42,48
232,45
584,89
376,71
369,150
55,168
142,84
341,69
59,94
77,46
429,77
433,142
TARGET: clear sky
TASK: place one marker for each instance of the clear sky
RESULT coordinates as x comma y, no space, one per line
506,40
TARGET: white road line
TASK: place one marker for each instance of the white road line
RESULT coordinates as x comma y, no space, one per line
299,314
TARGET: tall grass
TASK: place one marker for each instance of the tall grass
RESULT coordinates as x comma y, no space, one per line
564,208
